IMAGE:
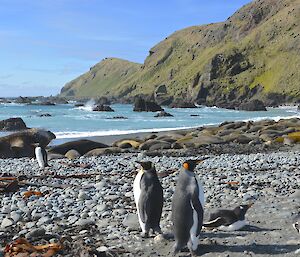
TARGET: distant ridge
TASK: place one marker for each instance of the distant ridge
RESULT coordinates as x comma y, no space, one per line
253,54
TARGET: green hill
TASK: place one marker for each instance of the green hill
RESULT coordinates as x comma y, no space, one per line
253,54
101,78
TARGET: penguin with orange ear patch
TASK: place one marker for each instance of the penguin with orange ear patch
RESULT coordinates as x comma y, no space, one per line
187,208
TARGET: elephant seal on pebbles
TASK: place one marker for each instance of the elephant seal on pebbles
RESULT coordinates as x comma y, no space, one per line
23,143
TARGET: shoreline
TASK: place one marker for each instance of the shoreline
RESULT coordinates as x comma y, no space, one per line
110,139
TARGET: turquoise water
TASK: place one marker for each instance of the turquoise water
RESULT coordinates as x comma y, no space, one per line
70,122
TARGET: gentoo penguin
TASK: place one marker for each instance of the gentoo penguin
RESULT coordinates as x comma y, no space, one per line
148,196
187,208
41,156
228,220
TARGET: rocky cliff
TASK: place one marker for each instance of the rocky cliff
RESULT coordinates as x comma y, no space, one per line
254,54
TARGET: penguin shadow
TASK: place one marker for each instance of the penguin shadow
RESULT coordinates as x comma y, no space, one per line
271,249
252,228
220,234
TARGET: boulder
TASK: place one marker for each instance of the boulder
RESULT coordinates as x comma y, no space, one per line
163,114
78,105
141,105
23,100
45,115
59,100
102,108
47,103
12,124
253,105
118,118
81,146
23,143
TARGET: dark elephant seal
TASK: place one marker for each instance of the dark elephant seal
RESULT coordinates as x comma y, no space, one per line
81,146
23,143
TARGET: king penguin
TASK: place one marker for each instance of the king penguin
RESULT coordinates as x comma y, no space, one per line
187,208
228,220
41,156
148,196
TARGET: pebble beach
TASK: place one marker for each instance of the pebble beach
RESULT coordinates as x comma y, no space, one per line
95,215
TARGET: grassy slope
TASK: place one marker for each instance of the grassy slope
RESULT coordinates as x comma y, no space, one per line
265,33
101,78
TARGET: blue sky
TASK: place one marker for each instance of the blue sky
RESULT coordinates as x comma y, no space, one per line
46,43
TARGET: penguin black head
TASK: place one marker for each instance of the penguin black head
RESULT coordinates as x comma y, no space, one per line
191,164
147,165
241,210
39,144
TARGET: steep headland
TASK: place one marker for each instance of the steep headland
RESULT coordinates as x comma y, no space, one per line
254,54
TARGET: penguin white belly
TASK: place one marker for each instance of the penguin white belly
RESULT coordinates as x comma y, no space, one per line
39,157
137,193
234,226
193,231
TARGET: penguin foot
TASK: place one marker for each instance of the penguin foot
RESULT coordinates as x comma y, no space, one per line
145,234
193,254
157,231
176,250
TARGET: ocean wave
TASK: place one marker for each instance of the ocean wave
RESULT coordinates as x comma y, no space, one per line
77,134
276,118
11,104
88,106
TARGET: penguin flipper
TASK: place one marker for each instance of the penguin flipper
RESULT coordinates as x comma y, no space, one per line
143,203
45,157
198,208
219,221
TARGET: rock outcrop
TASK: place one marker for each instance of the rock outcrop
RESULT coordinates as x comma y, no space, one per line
253,105
102,108
141,105
163,114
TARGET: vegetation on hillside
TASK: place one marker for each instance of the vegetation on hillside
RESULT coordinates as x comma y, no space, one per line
253,54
